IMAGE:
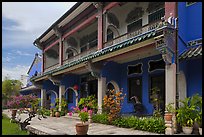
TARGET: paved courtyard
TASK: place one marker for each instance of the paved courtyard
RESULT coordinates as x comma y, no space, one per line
66,126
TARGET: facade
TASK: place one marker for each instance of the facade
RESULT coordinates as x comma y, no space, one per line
126,46
34,70
24,79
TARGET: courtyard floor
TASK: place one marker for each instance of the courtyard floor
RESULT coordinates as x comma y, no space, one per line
66,126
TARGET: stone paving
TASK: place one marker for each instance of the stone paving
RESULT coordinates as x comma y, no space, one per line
66,126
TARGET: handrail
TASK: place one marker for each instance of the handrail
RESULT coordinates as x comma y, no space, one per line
125,36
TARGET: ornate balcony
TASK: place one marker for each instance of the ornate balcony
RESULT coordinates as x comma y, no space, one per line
126,36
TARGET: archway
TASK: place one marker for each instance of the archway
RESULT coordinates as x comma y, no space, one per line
69,89
50,99
112,85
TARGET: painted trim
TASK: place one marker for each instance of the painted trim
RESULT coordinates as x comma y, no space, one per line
155,69
135,66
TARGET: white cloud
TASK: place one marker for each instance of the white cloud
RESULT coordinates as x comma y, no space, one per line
31,19
15,72
23,54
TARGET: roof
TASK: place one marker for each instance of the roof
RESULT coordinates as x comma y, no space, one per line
36,56
191,52
32,87
60,19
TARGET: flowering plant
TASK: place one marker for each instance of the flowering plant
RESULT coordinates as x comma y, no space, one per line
16,102
83,113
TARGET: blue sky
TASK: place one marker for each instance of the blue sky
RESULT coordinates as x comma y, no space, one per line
22,23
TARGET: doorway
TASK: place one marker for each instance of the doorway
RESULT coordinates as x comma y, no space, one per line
159,82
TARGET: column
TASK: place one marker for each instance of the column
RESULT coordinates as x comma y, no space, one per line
60,52
170,84
101,92
61,92
100,27
43,61
43,97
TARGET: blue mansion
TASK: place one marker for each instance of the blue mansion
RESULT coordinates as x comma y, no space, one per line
127,46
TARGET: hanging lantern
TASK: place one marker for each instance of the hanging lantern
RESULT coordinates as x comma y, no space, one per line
76,87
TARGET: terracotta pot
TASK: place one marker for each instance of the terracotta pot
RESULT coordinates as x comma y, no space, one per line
168,117
82,129
57,114
13,112
187,130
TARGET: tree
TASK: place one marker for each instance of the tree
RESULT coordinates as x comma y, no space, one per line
10,87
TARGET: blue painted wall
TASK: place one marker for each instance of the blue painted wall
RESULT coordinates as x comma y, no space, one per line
194,77
69,81
118,73
189,23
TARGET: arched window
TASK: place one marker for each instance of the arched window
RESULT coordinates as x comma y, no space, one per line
69,53
109,34
112,85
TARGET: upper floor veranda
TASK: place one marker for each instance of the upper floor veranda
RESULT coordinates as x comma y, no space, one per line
91,26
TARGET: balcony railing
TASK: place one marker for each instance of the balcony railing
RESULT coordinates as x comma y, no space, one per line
80,55
125,36
51,67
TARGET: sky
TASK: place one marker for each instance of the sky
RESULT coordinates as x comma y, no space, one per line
22,23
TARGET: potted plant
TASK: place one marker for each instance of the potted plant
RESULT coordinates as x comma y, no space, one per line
198,105
82,127
169,111
57,113
187,113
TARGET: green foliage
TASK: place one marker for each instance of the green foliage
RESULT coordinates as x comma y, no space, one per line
11,87
170,108
90,102
100,118
151,124
190,110
84,116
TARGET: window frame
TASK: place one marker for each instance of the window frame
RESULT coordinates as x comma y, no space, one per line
129,89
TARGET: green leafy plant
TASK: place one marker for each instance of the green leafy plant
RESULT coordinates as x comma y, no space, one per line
189,111
90,102
170,108
83,113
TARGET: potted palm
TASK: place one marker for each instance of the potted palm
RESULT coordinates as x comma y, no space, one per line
169,111
82,127
187,113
